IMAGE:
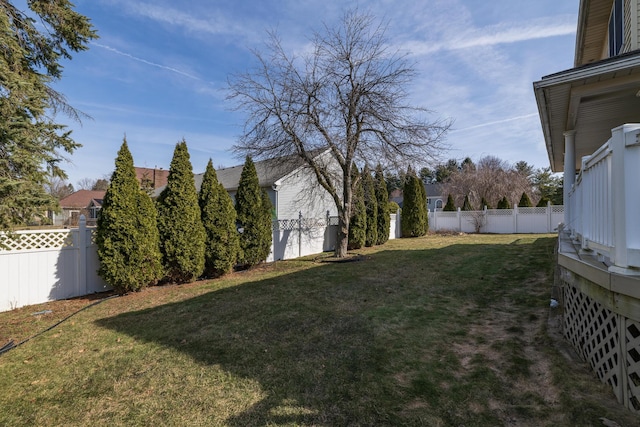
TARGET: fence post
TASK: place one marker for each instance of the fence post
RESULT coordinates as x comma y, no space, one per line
459,221
82,256
548,211
435,219
515,219
299,233
398,223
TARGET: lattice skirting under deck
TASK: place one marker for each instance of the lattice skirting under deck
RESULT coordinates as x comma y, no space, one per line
608,341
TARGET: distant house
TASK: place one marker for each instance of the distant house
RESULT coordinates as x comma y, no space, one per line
434,196
291,185
151,178
82,202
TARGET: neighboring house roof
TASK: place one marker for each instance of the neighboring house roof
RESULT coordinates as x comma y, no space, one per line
433,190
82,198
270,172
157,177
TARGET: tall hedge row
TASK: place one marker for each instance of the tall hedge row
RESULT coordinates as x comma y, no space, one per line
182,235
254,220
383,219
358,220
414,219
127,236
219,219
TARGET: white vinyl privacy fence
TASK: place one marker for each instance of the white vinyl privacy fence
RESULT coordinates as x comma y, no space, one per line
499,221
46,265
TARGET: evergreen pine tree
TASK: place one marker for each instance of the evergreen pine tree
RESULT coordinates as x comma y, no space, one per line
371,207
466,205
543,202
414,220
266,226
504,203
149,257
219,219
484,203
358,222
450,206
383,219
182,235
255,241
423,208
525,201
127,237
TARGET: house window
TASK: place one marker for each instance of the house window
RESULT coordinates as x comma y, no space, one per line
616,31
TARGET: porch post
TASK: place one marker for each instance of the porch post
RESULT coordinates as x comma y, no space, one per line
569,174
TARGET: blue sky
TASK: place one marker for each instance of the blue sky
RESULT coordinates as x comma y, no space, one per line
159,71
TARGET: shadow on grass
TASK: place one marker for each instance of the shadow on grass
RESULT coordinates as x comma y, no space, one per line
327,344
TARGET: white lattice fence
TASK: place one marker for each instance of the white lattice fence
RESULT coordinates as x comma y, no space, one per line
45,239
632,367
595,333
499,221
45,265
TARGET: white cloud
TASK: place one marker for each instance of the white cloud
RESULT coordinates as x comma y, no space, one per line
456,37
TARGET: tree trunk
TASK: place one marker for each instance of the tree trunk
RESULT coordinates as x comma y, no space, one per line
343,235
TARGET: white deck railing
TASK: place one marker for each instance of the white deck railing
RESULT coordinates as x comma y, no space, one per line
604,203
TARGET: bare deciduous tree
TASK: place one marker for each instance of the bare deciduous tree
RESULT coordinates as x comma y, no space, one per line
86,183
492,179
58,188
346,96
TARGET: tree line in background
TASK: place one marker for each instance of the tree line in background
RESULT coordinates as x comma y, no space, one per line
491,182
184,234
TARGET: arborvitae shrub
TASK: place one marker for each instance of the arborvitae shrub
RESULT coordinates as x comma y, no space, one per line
371,207
542,203
182,235
266,225
504,203
393,207
383,219
484,203
466,205
358,221
525,201
219,219
255,236
127,236
450,206
414,220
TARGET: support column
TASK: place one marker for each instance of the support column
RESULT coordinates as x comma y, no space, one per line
569,175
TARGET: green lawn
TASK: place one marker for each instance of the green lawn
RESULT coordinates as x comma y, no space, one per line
440,330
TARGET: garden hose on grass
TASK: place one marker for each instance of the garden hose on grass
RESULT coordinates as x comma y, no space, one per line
11,344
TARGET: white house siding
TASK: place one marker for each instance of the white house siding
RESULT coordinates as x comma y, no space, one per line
630,26
635,23
299,192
